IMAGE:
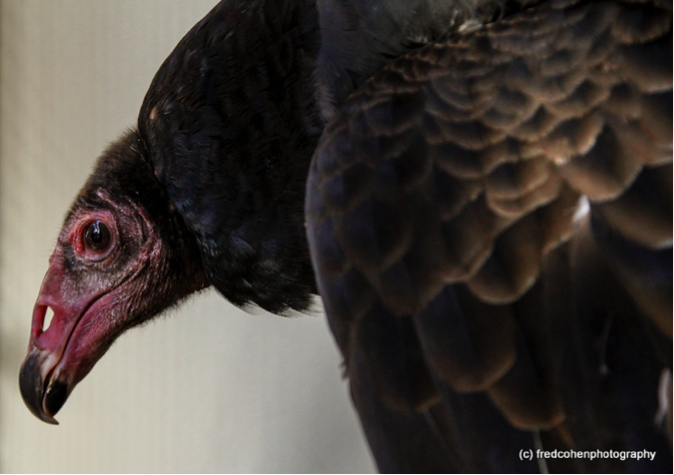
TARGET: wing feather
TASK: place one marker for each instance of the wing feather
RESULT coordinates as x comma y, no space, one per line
442,221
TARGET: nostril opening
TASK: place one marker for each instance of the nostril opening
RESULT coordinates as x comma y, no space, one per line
49,315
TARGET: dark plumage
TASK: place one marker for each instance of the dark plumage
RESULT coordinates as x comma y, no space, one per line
423,166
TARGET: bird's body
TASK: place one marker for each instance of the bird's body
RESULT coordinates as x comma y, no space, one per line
436,156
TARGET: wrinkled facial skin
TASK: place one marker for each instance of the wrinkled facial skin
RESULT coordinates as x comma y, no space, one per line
110,271
123,256
83,287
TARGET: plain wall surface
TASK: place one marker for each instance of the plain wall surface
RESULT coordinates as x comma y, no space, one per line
207,388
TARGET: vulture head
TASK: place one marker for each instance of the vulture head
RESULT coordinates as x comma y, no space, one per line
122,257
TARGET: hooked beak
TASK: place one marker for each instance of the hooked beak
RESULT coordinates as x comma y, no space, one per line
61,355
44,387
43,395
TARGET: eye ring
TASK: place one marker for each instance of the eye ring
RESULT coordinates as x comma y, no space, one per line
97,236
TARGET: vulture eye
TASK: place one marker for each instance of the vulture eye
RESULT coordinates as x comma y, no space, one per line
97,236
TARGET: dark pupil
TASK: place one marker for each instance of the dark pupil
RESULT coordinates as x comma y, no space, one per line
97,236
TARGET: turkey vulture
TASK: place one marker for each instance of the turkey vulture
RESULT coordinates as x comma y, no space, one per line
479,190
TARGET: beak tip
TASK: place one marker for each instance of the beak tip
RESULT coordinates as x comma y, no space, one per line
43,405
50,420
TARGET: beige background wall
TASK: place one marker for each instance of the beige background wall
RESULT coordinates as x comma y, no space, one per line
207,388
